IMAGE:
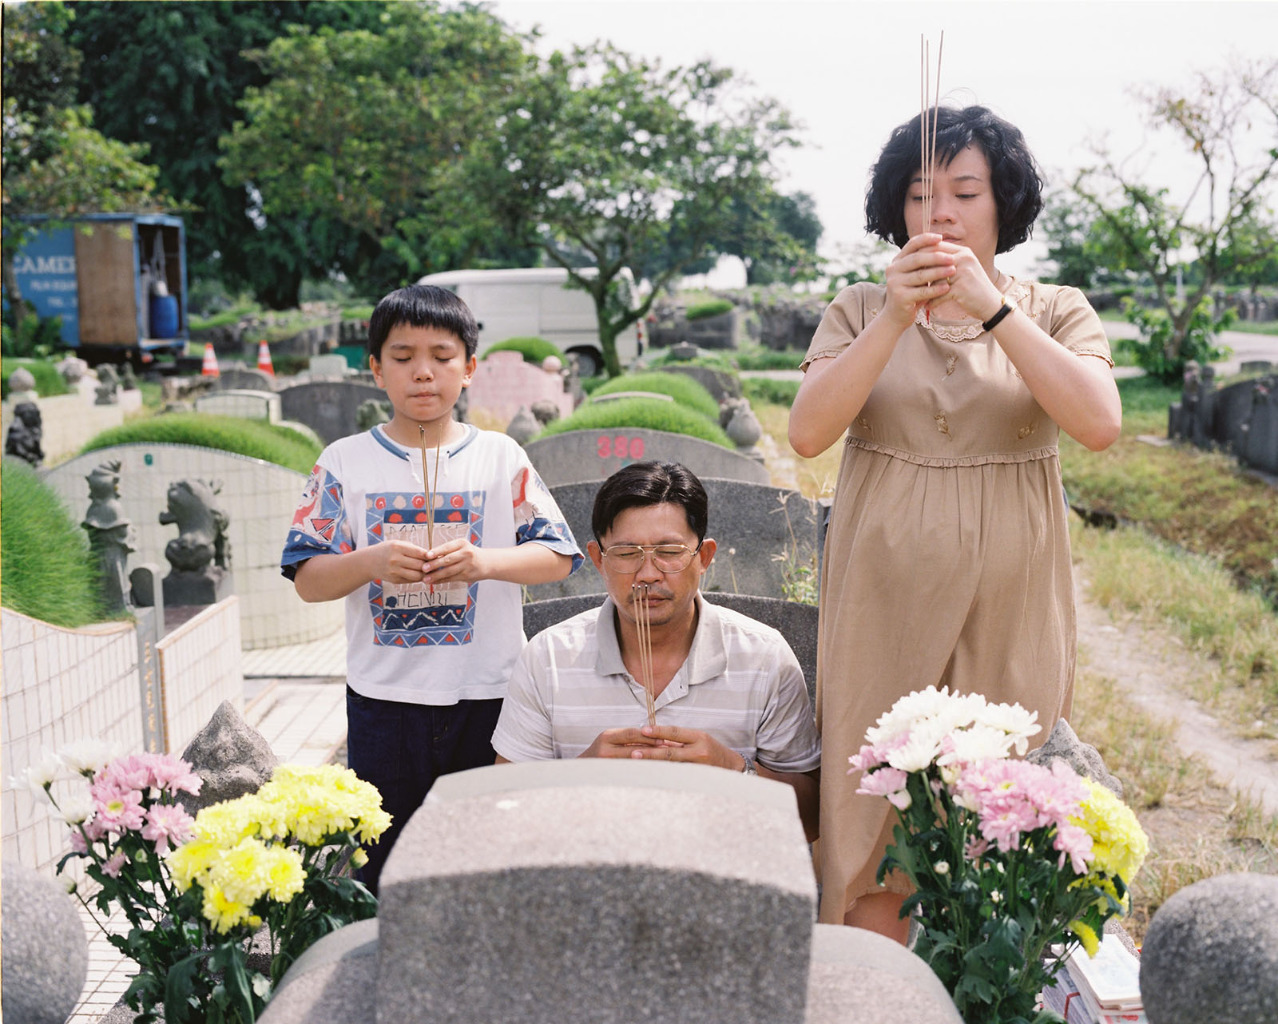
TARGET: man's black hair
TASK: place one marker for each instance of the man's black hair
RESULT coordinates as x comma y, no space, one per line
650,483
422,305
1014,176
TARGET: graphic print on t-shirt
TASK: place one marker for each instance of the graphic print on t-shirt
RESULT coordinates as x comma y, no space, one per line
421,614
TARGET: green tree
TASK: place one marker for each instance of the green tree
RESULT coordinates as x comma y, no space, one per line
55,163
1228,122
370,132
170,75
635,166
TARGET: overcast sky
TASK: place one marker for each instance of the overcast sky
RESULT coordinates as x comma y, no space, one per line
1061,70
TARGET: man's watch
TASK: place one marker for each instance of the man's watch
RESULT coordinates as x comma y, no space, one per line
748,767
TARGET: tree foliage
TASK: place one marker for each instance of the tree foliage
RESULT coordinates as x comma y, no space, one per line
368,132
55,162
632,165
170,75
1228,122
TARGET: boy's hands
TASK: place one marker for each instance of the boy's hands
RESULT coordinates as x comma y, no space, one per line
458,560
398,561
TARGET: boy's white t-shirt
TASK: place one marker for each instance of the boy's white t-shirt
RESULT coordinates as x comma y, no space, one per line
416,643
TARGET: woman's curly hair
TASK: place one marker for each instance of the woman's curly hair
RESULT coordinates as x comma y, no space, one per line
1014,176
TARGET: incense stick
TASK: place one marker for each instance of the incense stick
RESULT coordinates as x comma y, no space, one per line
927,129
643,627
430,487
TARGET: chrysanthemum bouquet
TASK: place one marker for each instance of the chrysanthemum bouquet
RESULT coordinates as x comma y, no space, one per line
1007,858
197,890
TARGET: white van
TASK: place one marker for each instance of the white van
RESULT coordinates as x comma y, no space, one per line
538,303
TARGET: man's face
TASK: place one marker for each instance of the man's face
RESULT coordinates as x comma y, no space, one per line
671,595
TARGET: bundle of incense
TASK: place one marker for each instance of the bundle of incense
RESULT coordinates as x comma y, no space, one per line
639,597
429,487
927,126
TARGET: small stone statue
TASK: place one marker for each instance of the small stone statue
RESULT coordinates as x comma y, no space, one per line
523,427
200,554
128,379
371,413
25,433
108,386
545,411
73,370
461,409
111,536
21,383
745,431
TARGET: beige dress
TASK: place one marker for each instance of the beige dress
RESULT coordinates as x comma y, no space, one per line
947,558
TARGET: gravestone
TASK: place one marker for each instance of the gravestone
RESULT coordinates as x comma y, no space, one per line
766,538
245,403
714,332
796,622
329,366
594,455
1211,953
243,378
45,952
604,891
330,408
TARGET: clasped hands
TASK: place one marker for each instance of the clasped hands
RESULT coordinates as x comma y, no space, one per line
452,561
664,743
929,270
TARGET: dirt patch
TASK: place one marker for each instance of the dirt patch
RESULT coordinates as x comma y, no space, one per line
1153,668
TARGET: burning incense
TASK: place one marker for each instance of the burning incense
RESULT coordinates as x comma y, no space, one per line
927,128
429,487
639,596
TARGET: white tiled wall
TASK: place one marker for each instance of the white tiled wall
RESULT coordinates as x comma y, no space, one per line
59,686
200,668
259,498
68,421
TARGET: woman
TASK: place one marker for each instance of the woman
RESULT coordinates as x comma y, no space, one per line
947,557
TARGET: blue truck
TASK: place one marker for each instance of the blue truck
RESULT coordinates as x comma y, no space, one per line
117,280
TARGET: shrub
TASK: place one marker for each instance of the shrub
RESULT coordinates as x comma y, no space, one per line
49,573
35,337
778,392
1153,350
534,350
701,310
645,413
714,360
254,438
47,379
756,357
684,390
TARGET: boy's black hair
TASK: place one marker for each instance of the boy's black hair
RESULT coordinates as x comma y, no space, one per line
650,483
422,305
1014,176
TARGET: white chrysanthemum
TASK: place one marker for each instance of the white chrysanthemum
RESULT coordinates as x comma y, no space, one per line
87,756
76,808
979,743
907,712
920,750
38,777
1014,720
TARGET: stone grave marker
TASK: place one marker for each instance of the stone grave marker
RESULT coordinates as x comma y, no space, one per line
244,378
334,367
766,536
330,408
594,455
245,403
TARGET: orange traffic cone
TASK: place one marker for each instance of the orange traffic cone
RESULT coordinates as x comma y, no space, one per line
209,369
264,358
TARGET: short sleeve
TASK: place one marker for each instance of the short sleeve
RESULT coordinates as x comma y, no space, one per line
843,320
537,515
1075,325
523,730
320,525
787,738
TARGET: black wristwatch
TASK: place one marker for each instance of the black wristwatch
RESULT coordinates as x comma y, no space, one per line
998,317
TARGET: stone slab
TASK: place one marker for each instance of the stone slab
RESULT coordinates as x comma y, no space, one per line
766,536
244,403
328,407
244,378
556,904
583,455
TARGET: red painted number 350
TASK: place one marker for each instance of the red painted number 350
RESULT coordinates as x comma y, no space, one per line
621,447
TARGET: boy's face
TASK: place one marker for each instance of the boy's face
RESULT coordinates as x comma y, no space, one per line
423,370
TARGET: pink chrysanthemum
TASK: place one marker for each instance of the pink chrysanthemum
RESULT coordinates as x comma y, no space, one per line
165,824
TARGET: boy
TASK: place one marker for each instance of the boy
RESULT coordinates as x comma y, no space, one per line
427,527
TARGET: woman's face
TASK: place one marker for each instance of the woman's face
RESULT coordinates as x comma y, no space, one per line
963,206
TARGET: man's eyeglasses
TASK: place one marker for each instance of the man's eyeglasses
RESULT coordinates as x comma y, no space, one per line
666,557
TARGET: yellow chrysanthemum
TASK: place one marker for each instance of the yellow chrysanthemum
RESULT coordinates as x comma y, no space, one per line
190,860
1119,844
359,858
243,872
222,912
285,874
1087,935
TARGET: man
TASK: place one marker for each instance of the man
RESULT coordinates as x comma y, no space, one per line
728,690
